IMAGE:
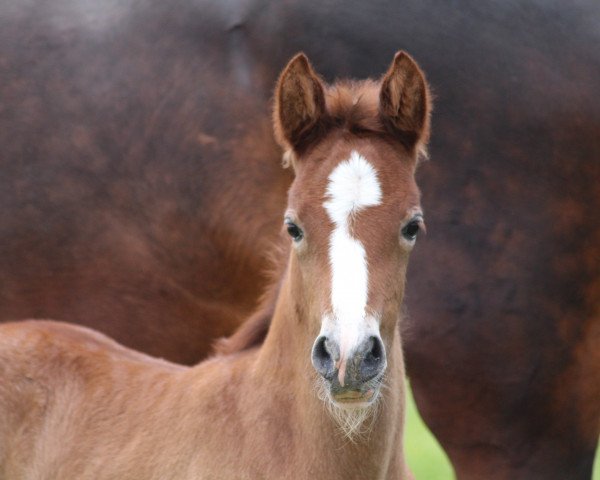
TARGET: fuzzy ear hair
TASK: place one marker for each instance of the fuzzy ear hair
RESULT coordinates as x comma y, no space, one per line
299,102
405,102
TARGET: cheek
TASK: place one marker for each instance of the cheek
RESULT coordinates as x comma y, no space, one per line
386,289
387,271
312,284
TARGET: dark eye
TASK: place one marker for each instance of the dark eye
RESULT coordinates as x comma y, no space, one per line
410,231
294,230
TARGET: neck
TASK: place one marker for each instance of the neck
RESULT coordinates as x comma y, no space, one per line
284,368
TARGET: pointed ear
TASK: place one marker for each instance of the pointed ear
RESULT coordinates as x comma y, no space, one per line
299,102
404,102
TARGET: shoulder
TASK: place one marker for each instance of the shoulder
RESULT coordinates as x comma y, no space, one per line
48,342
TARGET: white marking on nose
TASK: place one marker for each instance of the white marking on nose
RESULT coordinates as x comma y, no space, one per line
353,186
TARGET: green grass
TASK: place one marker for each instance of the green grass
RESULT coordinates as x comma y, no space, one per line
426,459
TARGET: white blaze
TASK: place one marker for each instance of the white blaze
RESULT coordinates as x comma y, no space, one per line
353,186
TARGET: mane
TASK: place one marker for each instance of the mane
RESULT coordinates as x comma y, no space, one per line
253,330
352,105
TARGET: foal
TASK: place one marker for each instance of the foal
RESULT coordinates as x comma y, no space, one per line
323,396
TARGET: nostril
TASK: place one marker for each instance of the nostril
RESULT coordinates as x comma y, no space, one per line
374,358
322,357
375,350
320,348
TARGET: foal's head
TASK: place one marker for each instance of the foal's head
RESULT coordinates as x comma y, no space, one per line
353,214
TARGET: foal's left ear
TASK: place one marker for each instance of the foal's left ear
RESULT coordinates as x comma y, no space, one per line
404,102
299,102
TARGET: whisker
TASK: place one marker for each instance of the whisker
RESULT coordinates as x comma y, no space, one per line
353,423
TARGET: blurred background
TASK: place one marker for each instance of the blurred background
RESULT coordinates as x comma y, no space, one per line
132,131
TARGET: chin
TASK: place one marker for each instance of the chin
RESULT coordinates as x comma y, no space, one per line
353,410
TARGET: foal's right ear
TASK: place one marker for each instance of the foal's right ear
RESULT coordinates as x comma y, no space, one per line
299,102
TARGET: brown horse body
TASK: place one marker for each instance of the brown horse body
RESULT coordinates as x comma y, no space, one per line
74,404
122,207
130,197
